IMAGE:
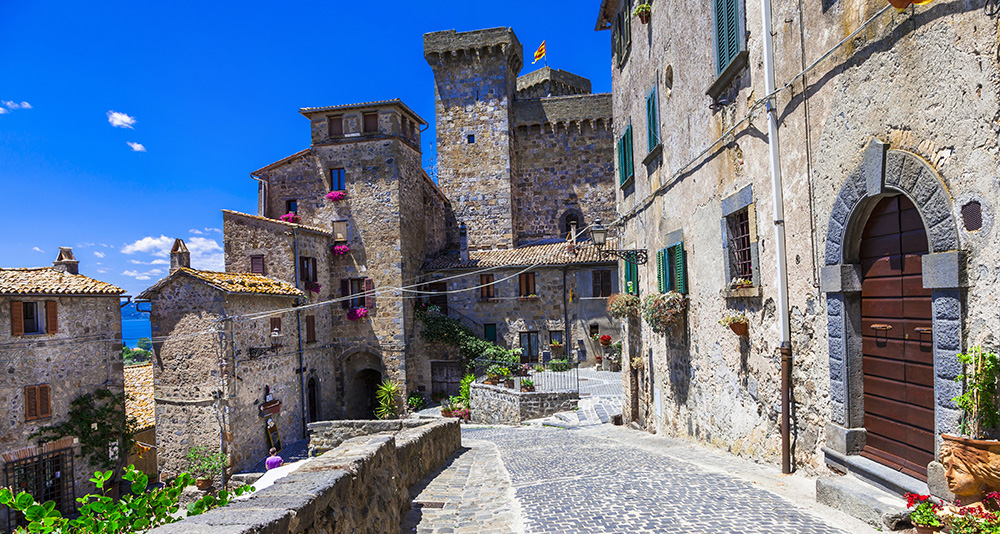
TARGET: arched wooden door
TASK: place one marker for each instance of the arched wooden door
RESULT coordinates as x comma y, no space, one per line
898,361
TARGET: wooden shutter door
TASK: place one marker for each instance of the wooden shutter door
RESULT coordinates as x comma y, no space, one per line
31,403
16,318
345,292
310,328
596,277
661,271
680,268
276,324
369,293
51,317
44,408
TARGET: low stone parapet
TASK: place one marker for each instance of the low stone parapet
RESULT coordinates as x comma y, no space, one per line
498,404
359,486
327,435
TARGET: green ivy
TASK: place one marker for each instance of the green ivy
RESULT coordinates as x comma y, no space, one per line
439,328
97,420
982,383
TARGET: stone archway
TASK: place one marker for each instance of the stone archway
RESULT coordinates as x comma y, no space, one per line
363,371
885,173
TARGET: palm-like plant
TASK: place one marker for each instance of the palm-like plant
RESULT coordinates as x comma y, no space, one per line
387,395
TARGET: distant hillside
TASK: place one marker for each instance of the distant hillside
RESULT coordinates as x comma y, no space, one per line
129,312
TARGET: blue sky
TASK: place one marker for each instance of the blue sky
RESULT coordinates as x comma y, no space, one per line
211,92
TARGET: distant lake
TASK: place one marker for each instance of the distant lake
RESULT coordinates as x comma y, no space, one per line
133,329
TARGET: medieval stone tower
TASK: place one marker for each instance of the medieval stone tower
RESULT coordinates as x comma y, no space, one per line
520,159
475,75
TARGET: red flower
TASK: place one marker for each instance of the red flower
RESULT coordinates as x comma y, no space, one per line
605,339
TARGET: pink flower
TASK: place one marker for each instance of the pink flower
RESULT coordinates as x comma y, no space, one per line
334,196
290,217
313,286
341,249
355,314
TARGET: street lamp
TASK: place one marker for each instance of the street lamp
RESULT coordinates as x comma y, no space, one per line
599,233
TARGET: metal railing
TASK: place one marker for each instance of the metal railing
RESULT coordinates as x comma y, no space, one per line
551,376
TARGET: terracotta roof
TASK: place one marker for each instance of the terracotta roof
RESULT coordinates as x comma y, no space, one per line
139,394
48,281
547,254
341,107
276,221
240,283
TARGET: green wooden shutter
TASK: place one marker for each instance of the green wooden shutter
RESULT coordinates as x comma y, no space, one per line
661,271
628,278
628,152
621,161
652,122
627,14
727,41
680,269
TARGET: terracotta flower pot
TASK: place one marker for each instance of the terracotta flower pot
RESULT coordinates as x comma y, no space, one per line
644,17
203,483
740,329
605,343
526,389
508,383
924,529
490,382
446,413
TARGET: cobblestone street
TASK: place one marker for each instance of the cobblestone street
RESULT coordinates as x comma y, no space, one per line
598,478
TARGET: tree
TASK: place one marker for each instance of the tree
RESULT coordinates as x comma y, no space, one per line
145,343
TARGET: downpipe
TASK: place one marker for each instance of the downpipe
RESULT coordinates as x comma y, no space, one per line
298,326
779,238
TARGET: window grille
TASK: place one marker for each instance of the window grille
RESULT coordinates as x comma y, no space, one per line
739,230
47,477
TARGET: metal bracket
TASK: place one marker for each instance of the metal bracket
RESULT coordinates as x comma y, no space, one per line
633,256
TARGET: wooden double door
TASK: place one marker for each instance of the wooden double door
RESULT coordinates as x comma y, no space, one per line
898,363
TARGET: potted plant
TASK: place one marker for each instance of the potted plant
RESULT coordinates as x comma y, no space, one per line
527,385
462,413
623,305
447,409
614,356
737,322
663,312
924,514
493,374
313,287
290,217
643,11
605,340
203,464
356,314
972,460
508,380
340,250
336,196
740,283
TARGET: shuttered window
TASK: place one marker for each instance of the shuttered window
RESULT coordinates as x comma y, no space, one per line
16,318
622,33
631,278
310,328
652,121
338,179
490,332
486,289
727,39
307,269
34,317
369,293
371,122
51,317
671,270
36,402
626,170
257,264
361,293
336,125
602,284
276,324
526,285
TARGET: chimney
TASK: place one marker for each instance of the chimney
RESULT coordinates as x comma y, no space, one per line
571,240
179,256
66,263
463,239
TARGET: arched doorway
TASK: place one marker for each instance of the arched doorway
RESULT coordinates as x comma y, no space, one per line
313,400
897,348
363,372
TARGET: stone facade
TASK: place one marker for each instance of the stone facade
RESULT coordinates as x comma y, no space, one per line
930,145
500,405
74,350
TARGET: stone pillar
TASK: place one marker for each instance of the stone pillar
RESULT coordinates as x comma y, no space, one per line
179,256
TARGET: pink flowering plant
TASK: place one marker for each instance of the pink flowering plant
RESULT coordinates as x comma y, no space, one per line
290,217
336,196
356,314
313,287
341,249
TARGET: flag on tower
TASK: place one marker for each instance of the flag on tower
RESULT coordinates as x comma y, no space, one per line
540,53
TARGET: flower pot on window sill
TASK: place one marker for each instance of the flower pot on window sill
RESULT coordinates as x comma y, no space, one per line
742,292
740,329
529,297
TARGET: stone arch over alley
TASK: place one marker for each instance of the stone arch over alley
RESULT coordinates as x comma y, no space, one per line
363,372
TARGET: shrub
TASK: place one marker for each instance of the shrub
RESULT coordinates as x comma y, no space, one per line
205,462
623,305
560,365
982,382
416,401
440,328
662,312
386,395
463,388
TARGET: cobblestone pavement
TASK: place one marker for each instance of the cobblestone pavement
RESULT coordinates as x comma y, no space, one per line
607,479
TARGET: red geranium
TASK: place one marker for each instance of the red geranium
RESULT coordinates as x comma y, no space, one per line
605,339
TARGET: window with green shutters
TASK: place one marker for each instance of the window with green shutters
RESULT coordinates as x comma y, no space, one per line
622,33
652,121
626,170
671,273
727,33
631,278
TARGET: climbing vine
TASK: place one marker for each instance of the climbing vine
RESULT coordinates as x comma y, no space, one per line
98,420
443,329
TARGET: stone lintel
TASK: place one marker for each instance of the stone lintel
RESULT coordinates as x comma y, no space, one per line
840,278
944,270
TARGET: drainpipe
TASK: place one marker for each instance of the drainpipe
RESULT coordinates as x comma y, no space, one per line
298,325
779,238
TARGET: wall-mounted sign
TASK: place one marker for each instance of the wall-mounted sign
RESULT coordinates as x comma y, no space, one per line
273,437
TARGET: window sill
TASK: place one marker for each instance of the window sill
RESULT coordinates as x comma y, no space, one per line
527,298
628,182
743,292
491,299
653,154
734,68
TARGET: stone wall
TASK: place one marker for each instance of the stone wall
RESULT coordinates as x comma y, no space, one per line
69,369
500,405
360,486
547,81
327,435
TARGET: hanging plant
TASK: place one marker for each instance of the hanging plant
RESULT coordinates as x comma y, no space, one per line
663,311
643,11
340,250
290,217
622,305
336,196
356,314
313,287
737,322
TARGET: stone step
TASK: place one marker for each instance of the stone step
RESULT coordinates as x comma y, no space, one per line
859,499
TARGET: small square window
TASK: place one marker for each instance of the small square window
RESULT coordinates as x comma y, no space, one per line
490,332
371,122
556,337
335,126
291,206
594,330
257,263
472,138
741,261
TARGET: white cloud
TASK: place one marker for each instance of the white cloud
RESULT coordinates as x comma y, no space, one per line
36,249
195,231
216,230
154,262
157,246
98,254
140,276
136,147
102,271
120,120
25,105
3,110
206,254
14,105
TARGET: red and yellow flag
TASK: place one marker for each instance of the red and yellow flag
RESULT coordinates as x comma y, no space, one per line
540,53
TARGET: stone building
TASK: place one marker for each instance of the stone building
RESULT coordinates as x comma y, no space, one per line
888,159
223,376
60,338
